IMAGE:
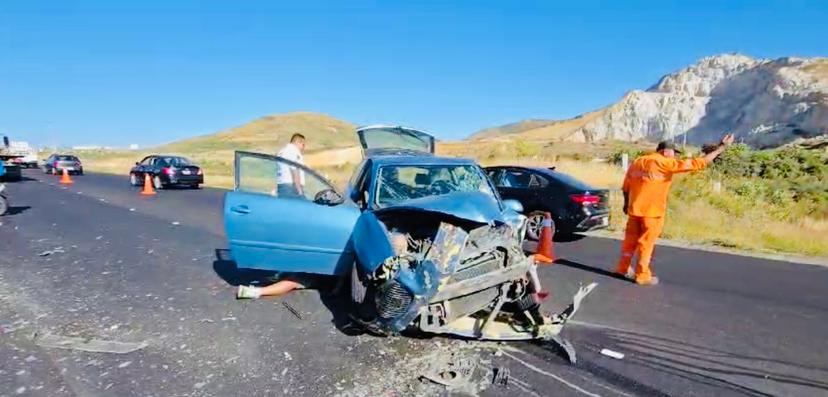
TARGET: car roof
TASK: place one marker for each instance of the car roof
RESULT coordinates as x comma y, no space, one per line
551,172
168,155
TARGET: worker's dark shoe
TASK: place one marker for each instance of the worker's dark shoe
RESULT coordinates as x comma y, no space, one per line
652,281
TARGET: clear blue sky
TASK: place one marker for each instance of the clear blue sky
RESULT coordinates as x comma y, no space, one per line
103,72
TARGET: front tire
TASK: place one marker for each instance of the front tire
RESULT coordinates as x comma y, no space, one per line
534,225
133,179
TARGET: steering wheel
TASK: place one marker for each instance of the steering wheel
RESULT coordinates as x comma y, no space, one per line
327,197
440,187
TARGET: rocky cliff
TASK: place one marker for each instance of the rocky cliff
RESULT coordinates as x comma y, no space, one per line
764,102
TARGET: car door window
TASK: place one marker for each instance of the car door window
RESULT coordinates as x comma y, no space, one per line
516,179
494,175
266,174
360,184
538,182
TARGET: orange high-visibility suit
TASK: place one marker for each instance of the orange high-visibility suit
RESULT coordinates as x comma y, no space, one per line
646,186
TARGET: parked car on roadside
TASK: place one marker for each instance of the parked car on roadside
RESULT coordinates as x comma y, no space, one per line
56,163
165,171
574,205
426,242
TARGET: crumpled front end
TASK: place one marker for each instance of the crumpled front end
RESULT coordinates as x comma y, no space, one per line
435,273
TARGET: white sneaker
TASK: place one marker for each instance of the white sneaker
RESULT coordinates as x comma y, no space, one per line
248,292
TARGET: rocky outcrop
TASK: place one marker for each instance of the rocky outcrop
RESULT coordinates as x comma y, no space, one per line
765,103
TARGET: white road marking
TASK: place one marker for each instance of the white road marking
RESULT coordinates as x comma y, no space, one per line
551,375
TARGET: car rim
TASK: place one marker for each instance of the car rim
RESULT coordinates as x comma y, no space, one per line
133,180
534,226
157,182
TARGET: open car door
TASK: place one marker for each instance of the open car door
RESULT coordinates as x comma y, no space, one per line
383,137
308,234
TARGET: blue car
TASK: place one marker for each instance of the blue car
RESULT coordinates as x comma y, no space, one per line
425,242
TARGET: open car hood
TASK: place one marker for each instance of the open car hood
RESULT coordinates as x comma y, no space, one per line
386,138
471,206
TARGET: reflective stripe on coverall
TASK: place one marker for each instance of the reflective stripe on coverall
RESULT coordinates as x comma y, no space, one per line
647,185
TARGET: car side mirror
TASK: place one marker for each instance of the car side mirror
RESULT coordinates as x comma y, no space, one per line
137,163
513,205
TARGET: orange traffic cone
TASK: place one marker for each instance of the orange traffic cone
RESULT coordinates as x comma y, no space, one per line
546,249
65,179
148,190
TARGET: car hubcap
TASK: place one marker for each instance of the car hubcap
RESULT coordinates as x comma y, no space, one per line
534,226
133,180
157,182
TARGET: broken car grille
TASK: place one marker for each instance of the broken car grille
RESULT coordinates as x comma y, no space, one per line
489,264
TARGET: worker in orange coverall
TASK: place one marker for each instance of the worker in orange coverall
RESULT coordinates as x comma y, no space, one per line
646,186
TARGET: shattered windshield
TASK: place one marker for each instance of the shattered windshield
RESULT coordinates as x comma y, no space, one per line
399,183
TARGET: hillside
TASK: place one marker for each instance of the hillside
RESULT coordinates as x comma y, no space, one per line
766,103
268,133
511,128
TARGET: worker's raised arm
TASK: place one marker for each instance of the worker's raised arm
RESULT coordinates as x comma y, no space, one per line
699,163
674,166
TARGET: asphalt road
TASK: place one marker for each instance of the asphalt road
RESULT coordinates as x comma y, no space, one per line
101,266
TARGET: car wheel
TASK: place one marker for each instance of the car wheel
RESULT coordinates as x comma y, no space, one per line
4,205
133,179
156,182
534,225
358,290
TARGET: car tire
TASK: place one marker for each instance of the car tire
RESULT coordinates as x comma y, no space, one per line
357,290
157,183
534,224
195,186
133,179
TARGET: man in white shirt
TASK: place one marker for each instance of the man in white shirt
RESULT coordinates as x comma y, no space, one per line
290,181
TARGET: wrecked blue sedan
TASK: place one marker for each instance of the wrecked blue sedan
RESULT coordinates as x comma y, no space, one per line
424,241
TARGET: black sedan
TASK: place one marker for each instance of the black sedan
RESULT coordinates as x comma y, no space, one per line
574,205
165,171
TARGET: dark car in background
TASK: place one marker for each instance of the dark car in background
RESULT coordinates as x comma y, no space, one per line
56,163
575,206
165,171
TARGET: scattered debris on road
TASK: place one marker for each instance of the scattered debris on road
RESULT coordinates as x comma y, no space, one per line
612,353
87,345
58,250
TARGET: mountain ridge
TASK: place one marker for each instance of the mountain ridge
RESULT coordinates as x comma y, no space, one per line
765,102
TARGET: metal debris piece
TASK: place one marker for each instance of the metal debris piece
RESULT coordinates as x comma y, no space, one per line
87,345
501,377
292,310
